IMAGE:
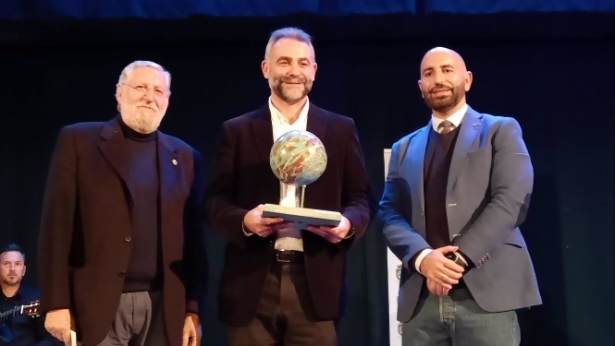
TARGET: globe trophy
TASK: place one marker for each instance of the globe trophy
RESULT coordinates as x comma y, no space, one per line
298,158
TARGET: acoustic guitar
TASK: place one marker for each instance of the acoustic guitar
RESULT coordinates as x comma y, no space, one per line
30,309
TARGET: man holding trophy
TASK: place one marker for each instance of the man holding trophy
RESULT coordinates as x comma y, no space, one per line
290,193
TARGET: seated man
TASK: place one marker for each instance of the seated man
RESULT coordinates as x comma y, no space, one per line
18,328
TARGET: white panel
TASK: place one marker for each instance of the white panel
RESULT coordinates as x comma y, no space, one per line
393,272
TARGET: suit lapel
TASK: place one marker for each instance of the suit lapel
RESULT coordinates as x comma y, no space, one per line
112,148
262,129
316,123
470,128
168,166
417,150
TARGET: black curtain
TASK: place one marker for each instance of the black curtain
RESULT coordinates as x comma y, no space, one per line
554,74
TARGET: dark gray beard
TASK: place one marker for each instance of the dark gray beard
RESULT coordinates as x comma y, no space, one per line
278,90
447,103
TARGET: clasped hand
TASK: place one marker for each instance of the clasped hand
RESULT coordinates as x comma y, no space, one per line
440,272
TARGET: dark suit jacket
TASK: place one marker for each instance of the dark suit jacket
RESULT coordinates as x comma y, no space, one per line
86,225
489,186
242,179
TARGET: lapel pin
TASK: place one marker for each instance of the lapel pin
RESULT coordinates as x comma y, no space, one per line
174,162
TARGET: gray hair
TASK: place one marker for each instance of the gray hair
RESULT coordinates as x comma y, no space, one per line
143,63
292,33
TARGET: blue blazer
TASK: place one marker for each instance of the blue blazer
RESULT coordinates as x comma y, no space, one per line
488,193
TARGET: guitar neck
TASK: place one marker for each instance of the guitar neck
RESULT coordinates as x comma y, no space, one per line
30,309
7,315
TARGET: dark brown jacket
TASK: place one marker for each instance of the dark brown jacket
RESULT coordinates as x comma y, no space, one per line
86,228
242,179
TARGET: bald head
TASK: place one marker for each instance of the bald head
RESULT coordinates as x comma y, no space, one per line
443,55
444,81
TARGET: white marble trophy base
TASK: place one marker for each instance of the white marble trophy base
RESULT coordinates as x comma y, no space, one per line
302,217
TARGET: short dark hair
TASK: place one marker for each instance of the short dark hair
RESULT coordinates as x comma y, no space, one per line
14,247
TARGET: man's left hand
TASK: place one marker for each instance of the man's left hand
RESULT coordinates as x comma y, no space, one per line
437,289
332,234
192,330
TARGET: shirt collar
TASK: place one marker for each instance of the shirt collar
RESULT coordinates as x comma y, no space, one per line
454,118
16,296
279,118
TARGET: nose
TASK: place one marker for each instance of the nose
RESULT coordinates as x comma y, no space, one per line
149,96
294,70
439,78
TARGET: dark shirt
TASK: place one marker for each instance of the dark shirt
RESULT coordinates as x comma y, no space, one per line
144,272
23,330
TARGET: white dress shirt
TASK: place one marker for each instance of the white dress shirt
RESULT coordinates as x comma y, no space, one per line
455,119
289,238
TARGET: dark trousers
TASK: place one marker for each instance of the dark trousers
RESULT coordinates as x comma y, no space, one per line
285,314
139,321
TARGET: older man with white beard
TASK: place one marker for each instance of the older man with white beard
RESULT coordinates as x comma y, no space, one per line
121,250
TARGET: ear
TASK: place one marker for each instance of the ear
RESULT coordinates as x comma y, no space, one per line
118,92
468,80
24,271
265,69
420,83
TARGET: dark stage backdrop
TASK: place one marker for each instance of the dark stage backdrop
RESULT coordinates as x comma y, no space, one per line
554,74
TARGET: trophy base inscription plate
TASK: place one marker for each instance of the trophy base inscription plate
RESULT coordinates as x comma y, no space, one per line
302,217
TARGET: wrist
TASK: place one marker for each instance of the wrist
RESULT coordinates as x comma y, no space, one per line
418,262
458,259
194,318
350,232
245,230
346,224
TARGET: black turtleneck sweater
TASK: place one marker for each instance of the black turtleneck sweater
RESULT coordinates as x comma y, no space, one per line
144,272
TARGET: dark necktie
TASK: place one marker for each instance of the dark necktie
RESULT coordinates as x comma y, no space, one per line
446,127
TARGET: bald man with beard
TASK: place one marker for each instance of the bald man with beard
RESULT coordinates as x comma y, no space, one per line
456,193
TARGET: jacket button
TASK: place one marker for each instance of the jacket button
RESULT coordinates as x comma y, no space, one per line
128,239
121,274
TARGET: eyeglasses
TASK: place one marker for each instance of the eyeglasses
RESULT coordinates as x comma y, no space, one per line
144,90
